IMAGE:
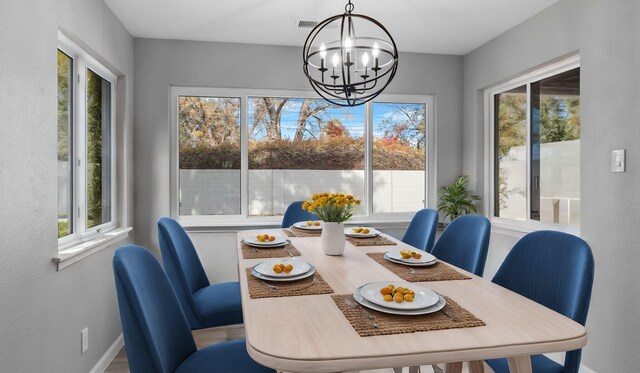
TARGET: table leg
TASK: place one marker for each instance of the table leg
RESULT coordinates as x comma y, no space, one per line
453,367
520,364
476,366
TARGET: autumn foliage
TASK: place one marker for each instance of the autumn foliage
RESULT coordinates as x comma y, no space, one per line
329,153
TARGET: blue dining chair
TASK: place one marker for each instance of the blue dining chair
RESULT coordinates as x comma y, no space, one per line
464,243
295,213
556,270
422,230
157,336
205,305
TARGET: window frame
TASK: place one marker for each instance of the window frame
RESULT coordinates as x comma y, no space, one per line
555,67
243,219
81,61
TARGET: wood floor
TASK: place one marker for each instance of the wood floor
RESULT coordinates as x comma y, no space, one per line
207,337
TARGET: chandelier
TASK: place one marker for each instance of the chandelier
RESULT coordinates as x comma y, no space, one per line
345,68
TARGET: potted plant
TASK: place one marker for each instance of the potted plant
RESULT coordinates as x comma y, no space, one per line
333,209
456,200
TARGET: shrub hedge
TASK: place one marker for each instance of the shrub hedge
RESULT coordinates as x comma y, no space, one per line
325,154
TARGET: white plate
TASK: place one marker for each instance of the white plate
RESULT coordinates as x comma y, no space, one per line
435,308
372,232
303,225
285,279
279,241
426,257
410,264
424,297
300,267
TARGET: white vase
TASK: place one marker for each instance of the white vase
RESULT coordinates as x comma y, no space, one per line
332,238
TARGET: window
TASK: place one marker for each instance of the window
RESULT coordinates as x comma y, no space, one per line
248,155
399,157
209,141
302,146
86,181
536,147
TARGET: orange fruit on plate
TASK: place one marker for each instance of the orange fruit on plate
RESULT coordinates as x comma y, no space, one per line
272,238
316,223
277,269
388,298
385,291
288,268
309,223
365,231
408,298
265,236
398,298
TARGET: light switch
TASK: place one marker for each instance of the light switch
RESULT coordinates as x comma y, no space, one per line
618,160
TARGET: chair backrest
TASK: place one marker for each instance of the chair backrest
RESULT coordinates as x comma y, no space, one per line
183,266
422,230
464,243
556,270
295,213
157,336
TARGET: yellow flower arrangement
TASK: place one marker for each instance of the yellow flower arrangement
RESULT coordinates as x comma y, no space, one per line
334,207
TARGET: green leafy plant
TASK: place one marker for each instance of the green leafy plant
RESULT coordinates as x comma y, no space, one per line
456,200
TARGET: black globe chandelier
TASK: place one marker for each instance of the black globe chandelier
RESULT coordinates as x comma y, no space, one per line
345,68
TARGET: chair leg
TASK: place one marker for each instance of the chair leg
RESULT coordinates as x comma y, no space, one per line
476,366
453,367
415,369
397,370
437,369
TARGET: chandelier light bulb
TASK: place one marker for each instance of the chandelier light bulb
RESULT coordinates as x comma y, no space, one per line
376,50
323,51
347,44
365,59
335,60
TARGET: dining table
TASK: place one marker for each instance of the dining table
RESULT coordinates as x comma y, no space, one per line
310,333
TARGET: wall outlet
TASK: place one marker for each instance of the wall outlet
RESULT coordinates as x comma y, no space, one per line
618,160
84,340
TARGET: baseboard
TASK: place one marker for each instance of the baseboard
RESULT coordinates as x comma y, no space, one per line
584,369
109,355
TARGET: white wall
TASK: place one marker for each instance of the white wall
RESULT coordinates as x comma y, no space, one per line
162,63
42,311
607,34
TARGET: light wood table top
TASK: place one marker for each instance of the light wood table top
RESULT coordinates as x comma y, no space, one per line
310,334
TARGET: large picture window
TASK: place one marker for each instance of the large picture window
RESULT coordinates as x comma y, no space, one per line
86,181
536,138
250,155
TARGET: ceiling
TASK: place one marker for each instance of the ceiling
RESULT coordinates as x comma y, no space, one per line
427,26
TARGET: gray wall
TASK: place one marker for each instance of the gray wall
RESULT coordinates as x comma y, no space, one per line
43,311
607,34
161,63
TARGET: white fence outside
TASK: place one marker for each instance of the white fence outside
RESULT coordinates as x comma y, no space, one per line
559,182
215,192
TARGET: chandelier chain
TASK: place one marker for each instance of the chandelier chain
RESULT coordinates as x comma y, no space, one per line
349,7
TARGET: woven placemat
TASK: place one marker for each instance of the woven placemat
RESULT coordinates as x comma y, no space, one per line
258,288
250,252
452,316
437,272
378,240
297,232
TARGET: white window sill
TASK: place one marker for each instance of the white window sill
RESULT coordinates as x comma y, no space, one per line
75,253
207,224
